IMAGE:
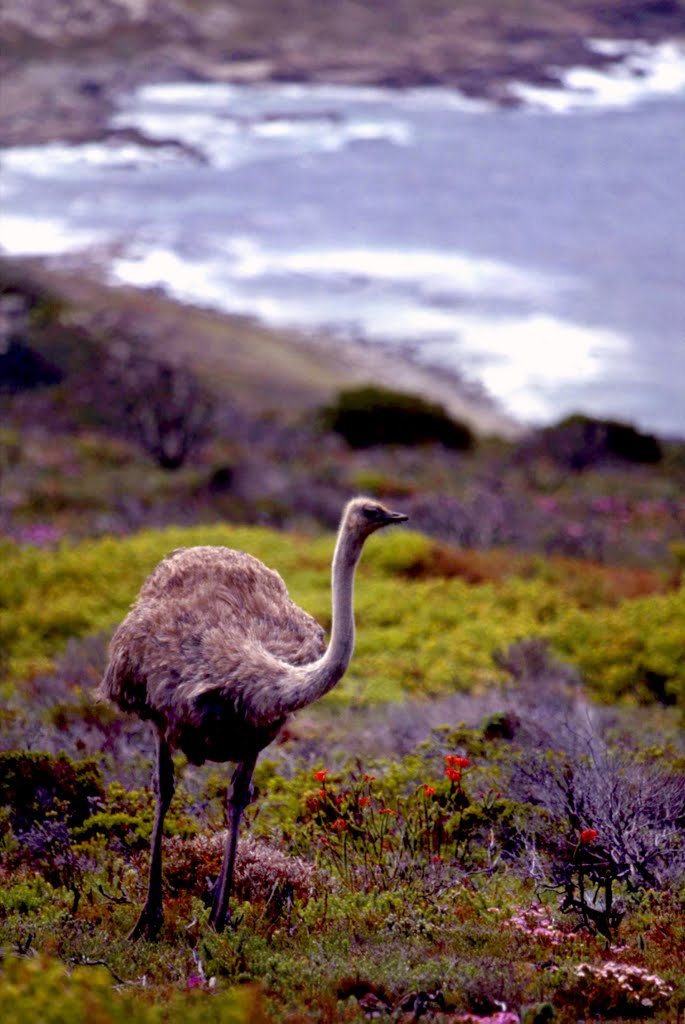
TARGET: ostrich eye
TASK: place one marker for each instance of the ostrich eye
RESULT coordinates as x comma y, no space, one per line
370,512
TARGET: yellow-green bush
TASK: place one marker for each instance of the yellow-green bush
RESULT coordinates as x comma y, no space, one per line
419,631
46,991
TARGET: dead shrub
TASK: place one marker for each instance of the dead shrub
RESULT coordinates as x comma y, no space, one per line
162,406
263,874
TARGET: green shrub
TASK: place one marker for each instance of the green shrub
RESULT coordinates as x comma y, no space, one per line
125,828
370,415
374,839
426,623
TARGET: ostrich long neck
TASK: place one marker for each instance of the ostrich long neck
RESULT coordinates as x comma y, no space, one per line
309,682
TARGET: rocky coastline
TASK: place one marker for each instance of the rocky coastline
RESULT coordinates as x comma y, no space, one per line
64,64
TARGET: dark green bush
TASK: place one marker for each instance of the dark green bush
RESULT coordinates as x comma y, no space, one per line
34,786
578,442
370,415
625,442
21,368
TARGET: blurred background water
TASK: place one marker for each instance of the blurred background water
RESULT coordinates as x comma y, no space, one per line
538,249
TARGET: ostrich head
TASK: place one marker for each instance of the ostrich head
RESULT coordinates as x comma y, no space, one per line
363,516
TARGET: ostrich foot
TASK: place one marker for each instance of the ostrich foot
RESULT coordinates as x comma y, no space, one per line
148,925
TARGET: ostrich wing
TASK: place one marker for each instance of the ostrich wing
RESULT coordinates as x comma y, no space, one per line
237,593
212,634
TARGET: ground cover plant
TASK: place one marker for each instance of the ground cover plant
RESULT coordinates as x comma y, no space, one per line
412,894
529,862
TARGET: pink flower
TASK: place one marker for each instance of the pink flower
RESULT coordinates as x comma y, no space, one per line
41,534
195,981
605,505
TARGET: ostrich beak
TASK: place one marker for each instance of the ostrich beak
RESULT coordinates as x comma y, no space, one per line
394,517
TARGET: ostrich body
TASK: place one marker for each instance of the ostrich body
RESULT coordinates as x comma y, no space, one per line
216,656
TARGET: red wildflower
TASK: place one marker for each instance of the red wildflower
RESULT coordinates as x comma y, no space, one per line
437,859
454,761
429,790
588,835
388,810
364,801
321,776
369,779
340,824
453,775
322,794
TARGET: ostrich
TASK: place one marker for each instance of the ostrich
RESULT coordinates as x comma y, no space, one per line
216,655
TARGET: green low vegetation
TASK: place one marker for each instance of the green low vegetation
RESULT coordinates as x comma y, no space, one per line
442,877
440,637
359,889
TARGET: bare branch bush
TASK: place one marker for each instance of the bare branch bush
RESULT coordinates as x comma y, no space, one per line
602,822
610,828
162,405
600,818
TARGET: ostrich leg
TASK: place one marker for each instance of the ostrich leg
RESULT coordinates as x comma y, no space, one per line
238,799
151,916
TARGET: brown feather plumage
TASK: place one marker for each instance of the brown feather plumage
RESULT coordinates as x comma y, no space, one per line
211,628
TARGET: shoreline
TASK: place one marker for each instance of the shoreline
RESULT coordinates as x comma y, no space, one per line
292,371
62,77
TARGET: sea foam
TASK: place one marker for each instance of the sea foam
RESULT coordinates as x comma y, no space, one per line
642,72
